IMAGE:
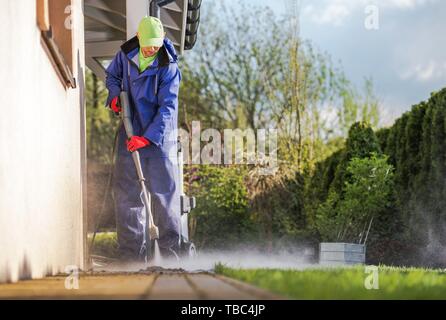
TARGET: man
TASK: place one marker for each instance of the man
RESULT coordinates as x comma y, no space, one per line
146,67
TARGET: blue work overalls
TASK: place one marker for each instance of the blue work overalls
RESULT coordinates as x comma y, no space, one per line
153,96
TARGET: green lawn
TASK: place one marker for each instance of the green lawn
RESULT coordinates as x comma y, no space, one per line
105,244
345,283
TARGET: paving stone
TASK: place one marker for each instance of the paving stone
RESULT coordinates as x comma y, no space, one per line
172,287
212,288
253,290
181,286
103,287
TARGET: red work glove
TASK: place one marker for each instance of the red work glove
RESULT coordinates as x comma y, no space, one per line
115,105
136,143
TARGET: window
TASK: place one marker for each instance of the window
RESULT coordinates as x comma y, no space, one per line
54,21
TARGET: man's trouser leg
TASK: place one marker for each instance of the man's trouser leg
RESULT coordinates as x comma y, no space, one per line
162,178
162,181
130,216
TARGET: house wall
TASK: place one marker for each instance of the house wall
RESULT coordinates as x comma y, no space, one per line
41,149
136,10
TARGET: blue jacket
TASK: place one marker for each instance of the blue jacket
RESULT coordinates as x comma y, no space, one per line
153,96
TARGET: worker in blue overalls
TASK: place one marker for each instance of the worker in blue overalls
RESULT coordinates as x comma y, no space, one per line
146,67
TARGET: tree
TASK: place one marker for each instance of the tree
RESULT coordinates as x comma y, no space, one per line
222,217
356,106
361,142
232,63
365,196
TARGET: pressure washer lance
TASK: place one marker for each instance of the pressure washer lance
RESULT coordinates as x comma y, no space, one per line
152,232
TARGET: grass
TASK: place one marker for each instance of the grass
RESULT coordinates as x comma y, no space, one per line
345,283
333,283
105,244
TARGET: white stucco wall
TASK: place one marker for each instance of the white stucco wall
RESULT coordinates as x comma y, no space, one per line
40,149
135,11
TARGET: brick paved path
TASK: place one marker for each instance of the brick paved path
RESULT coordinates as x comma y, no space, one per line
146,285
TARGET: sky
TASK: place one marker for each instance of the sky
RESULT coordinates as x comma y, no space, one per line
405,56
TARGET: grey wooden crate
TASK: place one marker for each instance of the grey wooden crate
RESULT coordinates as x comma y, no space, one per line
341,254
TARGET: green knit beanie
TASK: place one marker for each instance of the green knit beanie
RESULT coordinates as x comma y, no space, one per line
151,32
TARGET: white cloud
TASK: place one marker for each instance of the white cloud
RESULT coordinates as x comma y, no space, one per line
335,12
331,14
404,4
431,71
